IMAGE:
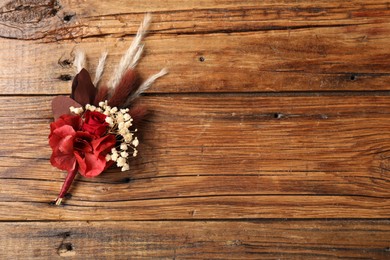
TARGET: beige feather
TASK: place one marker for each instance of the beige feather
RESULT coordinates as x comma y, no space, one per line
100,68
145,85
137,56
79,61
133,51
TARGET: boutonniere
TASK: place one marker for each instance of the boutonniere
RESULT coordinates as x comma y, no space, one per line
96,127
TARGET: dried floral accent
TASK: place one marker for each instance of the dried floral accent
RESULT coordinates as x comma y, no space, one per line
80,143
94,127
120,123
91,140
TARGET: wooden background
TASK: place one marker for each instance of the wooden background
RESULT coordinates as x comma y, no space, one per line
268,139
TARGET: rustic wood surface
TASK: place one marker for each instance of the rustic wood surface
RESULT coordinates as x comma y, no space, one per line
271,239
268,139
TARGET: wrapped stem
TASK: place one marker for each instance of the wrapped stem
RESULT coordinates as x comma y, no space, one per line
65,187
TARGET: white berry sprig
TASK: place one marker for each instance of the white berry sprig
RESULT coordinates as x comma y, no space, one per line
120,122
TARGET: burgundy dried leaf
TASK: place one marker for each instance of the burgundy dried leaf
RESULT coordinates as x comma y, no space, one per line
126,86
61,104
83,90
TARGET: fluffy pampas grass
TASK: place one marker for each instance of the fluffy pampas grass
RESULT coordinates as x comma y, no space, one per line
123,86
100,68
145,85
132,54
79,60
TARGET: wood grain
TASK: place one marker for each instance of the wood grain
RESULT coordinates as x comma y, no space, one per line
212,157
267,140
197,240
256,47
48,21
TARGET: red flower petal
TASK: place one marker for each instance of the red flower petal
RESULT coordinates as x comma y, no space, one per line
61,141
82,142
65,162
91,165
59,134
65,145
95,123
74,121
103,145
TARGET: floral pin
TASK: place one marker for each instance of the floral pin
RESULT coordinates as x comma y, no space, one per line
95,127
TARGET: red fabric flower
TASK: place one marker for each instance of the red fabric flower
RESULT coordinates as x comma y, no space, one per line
61,142
74,121
95,123
62,133
71,147
91,153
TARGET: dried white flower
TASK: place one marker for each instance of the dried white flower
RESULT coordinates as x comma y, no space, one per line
76,110
128,124
125,167
128,137
135,142
123,132
120,122
126,117
119,117
114,154
109,120
120,162
121,125
124,154
114,157
113,110
124,146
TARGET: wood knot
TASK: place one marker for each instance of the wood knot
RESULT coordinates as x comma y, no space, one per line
126,180
28,11
28,19
278,115
66,249
234,242
65,62
64,235
65,77
68,17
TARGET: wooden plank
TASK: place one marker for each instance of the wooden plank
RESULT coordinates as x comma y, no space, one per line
352,239
255,47
72,19
203,207
213,157
219,176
